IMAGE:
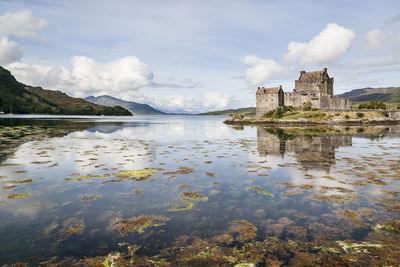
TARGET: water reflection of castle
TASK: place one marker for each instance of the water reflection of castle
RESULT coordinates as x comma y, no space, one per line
312,152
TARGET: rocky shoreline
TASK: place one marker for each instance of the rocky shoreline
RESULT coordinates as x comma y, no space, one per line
302,121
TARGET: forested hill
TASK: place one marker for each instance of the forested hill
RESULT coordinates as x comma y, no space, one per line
18,98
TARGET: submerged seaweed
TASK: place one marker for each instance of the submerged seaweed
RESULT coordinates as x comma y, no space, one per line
195,196
245,230
187,201
262,191
138,223
18,196
138,175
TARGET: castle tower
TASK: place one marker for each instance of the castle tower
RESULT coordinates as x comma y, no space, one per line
314,83
268,99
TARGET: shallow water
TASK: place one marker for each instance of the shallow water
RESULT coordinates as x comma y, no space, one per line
86,187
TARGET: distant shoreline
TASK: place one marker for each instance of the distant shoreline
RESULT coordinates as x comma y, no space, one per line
313,123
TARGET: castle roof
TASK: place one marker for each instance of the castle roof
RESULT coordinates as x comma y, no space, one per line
312,75
272,90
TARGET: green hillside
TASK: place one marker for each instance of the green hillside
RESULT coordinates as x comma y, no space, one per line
19,98
385,94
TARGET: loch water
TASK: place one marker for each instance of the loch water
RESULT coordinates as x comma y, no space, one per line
76,187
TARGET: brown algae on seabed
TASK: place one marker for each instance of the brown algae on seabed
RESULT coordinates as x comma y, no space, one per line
18,196
137,224
272,251
244,230
262,191
91,197
195,196
138,191
73,226
187,201
137,175
180,170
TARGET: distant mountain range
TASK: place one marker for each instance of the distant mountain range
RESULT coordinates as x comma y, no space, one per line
245,111
385,94
18,98
133,107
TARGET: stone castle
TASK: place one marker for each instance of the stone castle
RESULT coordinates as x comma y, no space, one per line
312,87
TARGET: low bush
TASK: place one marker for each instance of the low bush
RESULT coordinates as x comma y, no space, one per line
372,104
279,112
238,116
307,105
287,108
347,116
360,114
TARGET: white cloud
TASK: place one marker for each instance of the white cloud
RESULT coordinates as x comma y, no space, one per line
174,102
124,74
260,69
328,46
210,101
87,76
37,75
9,51
215,100
21,24
375,39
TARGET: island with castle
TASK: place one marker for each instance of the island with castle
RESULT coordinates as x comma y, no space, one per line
312,101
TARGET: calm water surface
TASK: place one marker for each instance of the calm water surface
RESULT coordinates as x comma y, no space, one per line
85,187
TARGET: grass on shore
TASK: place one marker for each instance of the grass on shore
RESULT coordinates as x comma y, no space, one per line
389,105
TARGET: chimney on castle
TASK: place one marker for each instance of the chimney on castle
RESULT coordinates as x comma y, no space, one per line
325,69
302,72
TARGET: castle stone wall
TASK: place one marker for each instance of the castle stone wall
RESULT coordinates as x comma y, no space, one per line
298,101
308,87
334,102
340,103
265,103
325,102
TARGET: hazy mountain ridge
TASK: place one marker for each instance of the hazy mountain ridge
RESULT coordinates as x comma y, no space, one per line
18,98
246,111
385,94
133,107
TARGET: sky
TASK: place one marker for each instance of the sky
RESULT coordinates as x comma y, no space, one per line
196,56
